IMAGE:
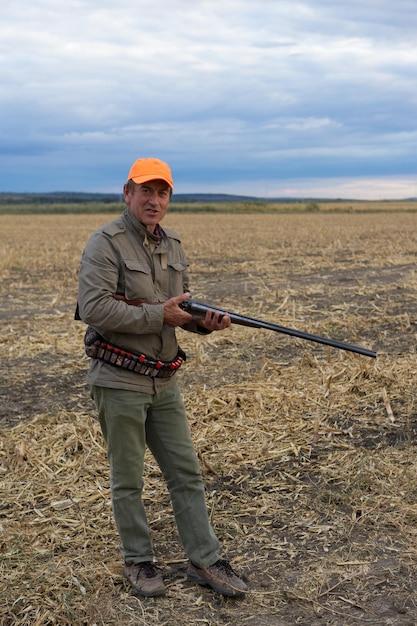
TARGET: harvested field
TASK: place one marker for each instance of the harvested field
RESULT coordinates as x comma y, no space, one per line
308,453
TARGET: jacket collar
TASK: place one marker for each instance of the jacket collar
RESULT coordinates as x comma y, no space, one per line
141,229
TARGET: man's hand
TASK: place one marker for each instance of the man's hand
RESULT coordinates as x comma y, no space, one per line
215,321
173,315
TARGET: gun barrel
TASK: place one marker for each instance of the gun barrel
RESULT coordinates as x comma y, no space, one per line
200,309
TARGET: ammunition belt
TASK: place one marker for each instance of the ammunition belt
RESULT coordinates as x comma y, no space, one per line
96,347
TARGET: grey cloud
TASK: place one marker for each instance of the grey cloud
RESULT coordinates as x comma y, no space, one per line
221,89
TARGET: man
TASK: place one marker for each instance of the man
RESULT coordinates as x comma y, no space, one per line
132,281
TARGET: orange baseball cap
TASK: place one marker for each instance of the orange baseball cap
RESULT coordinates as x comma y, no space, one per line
143,170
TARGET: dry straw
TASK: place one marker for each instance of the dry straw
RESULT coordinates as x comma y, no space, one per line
308,453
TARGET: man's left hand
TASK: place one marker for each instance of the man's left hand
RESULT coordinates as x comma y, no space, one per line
215,321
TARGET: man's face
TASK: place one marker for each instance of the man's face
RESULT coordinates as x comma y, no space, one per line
148,202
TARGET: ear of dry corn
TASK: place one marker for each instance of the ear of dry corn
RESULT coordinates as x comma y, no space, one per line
308,453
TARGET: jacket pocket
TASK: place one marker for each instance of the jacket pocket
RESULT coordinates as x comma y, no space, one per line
138,281
178,266
177,277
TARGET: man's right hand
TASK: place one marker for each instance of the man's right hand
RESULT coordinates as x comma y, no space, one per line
173,315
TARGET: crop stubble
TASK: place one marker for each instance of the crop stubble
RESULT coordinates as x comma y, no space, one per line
308,453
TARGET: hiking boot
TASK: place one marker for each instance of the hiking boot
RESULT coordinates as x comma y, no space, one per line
144,578
219,576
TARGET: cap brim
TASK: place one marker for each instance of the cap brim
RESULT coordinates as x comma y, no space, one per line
146,179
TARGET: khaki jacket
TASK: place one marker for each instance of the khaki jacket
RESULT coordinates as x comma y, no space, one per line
123,258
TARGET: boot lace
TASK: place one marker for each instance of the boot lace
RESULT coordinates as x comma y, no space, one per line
148,569
225,566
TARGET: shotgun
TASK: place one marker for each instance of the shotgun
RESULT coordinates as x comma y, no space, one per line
199,309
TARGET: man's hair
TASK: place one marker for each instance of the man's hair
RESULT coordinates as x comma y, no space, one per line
130,186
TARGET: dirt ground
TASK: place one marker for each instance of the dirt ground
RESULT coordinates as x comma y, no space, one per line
308,453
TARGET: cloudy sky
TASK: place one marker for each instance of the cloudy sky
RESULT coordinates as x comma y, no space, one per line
267,98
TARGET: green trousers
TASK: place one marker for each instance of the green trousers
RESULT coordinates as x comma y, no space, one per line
130,421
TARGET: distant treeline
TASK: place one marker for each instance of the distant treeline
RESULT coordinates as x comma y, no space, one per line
70,197
59,197
80,202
